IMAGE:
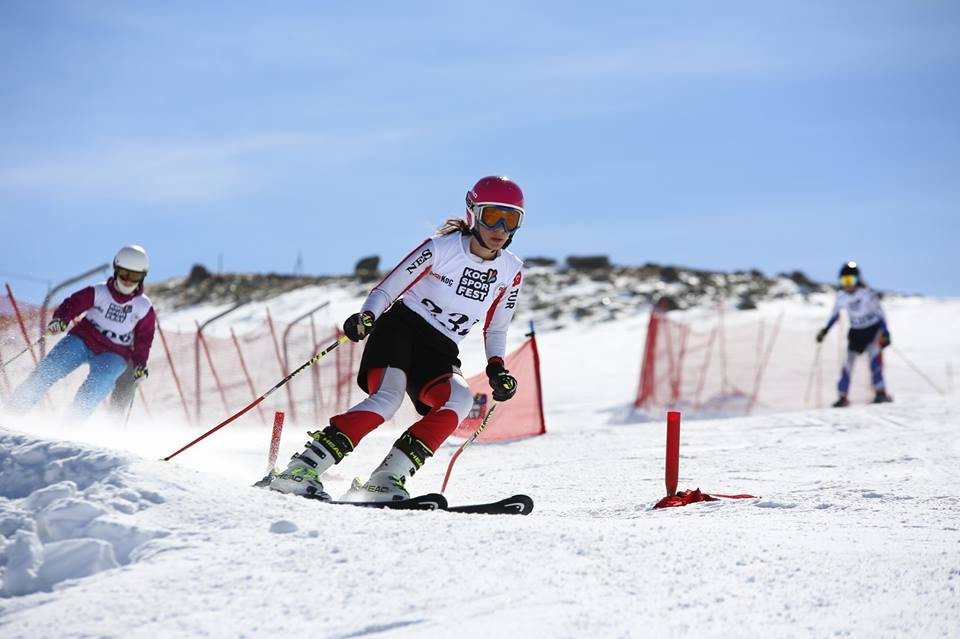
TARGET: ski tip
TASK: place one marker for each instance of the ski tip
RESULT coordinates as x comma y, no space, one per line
525,503
516,505
519,504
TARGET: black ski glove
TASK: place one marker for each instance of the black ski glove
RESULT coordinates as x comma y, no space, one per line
358,326
56,326
504,386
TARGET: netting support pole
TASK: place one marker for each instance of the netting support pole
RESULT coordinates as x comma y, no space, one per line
283,366
213,369
246,372
173,371
647,368
23,327
536,373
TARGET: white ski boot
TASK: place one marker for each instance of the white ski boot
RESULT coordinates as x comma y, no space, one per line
388,481
302,474
299,479
382,486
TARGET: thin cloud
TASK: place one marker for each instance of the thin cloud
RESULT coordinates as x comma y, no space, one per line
732,51
152,171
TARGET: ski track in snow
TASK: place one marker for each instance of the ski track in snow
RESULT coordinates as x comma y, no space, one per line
855,530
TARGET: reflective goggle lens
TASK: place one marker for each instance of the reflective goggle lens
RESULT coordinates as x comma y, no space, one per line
848,280
129,276
493,216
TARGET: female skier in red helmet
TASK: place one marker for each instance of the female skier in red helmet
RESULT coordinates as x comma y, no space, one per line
415,317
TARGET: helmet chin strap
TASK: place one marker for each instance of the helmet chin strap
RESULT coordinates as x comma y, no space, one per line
476,234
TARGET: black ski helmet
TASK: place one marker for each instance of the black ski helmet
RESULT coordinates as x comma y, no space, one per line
850,268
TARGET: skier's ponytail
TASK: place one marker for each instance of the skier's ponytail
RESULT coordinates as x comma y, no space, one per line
454,225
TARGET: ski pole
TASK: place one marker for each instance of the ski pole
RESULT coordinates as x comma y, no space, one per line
310,362
916,370
813,369
133,397
476,434
126,417
29,347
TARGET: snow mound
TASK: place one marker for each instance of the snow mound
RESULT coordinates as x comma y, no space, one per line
62,510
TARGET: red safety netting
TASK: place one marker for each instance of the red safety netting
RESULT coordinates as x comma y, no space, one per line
201,377
522,416
715,365
18,336
208,377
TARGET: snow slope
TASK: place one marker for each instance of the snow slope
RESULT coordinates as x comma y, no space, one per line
856,530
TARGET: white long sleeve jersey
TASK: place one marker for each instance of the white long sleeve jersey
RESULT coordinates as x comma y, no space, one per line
453,289
862,306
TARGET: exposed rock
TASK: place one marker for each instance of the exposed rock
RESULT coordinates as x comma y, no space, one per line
588,262
366,269
800,279
198,274
552,296
666,303
228,288
668,275
539,261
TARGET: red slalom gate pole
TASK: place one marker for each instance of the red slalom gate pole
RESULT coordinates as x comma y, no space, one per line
673,452
275,440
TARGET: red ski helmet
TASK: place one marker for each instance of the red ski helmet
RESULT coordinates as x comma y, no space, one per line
493,190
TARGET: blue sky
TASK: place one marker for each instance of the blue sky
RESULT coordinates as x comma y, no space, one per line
734,135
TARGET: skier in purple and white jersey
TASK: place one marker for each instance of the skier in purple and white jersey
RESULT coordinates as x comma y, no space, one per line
116,331
415,318
868,331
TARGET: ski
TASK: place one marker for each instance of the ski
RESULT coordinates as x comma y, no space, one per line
428,501
516,505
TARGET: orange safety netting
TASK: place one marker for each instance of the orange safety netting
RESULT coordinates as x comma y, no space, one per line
203,378
718,365
522,416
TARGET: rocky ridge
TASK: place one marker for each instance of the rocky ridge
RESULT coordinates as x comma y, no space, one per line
552,294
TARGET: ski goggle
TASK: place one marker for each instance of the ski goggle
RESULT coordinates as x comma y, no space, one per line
128,275
491,216
848,281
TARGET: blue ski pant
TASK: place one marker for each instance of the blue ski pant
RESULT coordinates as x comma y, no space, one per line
63,359
876,368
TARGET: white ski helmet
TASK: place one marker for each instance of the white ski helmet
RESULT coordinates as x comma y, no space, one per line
133,258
